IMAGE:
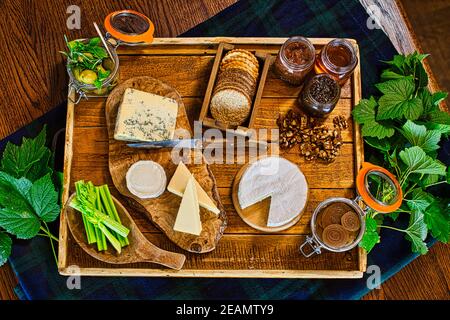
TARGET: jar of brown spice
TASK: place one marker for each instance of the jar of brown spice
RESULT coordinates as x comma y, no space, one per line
295,60
320,95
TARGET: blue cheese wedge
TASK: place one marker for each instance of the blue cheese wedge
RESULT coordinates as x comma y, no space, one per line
144,116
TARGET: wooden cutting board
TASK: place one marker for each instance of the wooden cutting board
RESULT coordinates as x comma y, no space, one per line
163,210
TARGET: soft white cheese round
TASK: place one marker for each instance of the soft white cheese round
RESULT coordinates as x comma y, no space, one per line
146,179
279,179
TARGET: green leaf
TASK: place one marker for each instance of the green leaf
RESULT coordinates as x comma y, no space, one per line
94,41
40,168
439,116
418,162
364,111
420,200
437,97
417,232
419,136
397,99
412,109
377,130
444,129
438,221
24,224
44,199
393,215
5,247
380,144
421,76
13,192
427,100
397,62
390,75
17,160
371,236
429,179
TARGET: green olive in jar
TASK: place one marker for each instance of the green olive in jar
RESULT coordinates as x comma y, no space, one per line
108,64
76,73
100,68
88,76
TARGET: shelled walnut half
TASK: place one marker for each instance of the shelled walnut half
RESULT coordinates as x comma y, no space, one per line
316,142
291,127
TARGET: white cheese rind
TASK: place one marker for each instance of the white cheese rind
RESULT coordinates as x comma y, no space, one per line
279,179
144,116
146,179
188,217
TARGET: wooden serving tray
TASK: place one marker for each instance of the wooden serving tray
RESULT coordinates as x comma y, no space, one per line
243,252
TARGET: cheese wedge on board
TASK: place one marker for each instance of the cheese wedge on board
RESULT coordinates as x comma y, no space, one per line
144,116
177,185
188,217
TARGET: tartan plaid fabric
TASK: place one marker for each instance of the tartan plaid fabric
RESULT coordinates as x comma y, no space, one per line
33,262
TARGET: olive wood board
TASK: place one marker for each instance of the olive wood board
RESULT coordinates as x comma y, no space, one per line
163,210
139,249
243,252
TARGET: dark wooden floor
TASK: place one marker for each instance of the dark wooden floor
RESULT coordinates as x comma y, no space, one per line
33,83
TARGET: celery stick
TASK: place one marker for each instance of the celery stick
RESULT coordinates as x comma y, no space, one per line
107,210
112,211
90,233
91,229
101,239
113,240
113,224
98,234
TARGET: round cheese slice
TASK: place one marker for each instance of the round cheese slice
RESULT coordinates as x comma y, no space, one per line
146,179
279,179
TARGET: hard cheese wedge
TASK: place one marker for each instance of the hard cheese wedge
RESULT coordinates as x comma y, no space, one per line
144,116
188,218
177,185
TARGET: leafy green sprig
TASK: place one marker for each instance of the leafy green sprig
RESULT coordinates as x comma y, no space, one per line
87,56
405,125
28,196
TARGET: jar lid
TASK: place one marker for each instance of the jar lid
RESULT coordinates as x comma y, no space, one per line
130,26
378,188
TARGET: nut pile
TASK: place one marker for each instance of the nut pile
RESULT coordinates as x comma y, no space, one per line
316,141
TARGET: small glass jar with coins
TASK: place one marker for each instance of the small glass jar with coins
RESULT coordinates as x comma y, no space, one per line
338,224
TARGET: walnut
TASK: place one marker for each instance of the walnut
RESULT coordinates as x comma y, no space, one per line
315,140
340,122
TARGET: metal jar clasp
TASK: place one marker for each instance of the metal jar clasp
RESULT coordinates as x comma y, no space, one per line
313,244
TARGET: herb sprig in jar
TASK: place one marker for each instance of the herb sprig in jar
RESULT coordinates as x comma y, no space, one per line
88,61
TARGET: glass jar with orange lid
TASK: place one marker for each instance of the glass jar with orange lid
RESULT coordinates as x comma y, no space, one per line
338,224
337,58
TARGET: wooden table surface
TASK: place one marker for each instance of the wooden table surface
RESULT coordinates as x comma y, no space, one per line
34,80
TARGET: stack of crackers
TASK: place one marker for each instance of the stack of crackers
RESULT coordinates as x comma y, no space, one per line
235,87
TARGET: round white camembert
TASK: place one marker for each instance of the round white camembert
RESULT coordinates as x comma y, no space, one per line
146,179
279,179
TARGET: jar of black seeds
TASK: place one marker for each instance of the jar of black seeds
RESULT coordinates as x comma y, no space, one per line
320,95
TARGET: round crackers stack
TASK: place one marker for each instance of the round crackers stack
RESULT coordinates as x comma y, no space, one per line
235,87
